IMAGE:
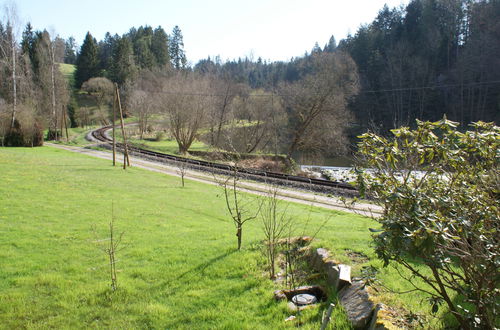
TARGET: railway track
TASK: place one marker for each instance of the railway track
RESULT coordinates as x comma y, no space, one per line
311,184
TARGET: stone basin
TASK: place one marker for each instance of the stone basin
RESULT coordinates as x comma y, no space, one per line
304,299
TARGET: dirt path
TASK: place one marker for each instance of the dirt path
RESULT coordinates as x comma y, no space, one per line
291,195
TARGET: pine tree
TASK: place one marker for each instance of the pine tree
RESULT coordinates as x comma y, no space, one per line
177,54
316,49
143,55
123,66
159,47
87,62
69,51
331,46
27,39
29,43
106,51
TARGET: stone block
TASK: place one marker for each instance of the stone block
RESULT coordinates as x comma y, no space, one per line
319,259
332,274
344,276
356,301
279,295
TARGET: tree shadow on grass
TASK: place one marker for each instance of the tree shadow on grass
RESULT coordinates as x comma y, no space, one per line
170,287
201,267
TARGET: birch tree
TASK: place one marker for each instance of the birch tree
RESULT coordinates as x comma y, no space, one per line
9,52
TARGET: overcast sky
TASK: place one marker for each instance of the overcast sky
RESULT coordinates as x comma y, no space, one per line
271,29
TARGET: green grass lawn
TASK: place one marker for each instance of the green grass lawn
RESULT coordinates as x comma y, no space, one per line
179,268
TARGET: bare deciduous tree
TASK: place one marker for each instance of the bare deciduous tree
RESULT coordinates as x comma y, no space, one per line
9,52
144,97
102,90
317,103
257,112
53,87
142,104
225,90
186,99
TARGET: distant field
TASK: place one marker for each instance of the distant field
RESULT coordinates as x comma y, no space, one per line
169,146
165,144
68,70
179,268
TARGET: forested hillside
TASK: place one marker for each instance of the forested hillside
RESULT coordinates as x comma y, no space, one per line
430,58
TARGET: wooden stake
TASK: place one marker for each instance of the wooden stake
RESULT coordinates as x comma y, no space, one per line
114,139
326,318
126,160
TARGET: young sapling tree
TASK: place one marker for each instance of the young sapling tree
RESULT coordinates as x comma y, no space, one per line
182,169
275,221
241,208
110,246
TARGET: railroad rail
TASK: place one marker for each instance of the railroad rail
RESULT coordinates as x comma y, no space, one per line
317,185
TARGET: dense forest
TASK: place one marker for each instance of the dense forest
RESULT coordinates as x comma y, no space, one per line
421,61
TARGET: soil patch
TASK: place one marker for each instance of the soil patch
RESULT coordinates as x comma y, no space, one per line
357,257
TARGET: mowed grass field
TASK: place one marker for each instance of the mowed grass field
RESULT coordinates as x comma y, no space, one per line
179,267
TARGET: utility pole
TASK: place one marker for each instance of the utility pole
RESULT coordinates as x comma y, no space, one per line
114,138
126,160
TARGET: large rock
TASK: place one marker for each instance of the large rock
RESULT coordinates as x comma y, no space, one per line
319,258
332,274
357,303
337,275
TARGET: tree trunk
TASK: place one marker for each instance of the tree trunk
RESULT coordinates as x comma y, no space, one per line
53,81
442,291
271,259
183,149
14,84
239,233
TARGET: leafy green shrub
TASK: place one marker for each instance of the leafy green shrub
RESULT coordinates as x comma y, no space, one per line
440,191
160,136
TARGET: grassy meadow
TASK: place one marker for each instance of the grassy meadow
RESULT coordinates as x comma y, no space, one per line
168,146
179,267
